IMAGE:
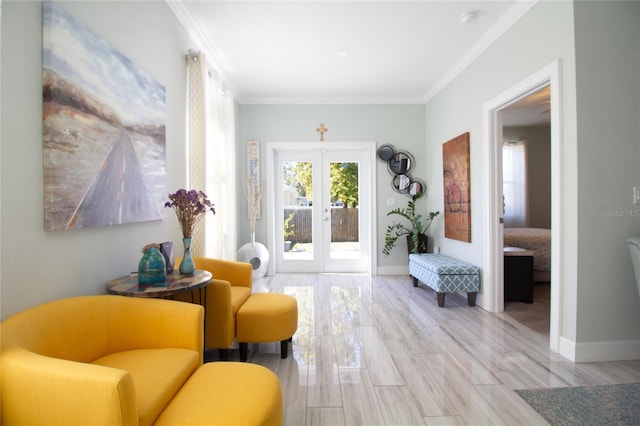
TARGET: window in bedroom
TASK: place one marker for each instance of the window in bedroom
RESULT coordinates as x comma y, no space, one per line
514,181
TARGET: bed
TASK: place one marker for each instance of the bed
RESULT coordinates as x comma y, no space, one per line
538,241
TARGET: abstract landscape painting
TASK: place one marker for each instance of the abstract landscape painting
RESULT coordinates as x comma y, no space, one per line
103,131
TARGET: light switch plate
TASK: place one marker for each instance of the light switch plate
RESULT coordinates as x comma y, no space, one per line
636,195
391,201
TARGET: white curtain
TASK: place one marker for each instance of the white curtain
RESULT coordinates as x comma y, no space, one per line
211,157
514,181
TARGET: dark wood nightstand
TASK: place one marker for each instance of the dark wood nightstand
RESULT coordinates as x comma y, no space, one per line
518,274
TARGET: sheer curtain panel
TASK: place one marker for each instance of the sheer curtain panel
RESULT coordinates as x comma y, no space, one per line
211,157
514,181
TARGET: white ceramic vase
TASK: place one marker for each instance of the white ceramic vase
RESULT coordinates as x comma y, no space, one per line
257,255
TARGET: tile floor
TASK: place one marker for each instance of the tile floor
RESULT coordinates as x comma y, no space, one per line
377,351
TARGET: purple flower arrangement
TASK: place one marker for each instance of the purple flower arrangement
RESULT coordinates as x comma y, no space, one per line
190,206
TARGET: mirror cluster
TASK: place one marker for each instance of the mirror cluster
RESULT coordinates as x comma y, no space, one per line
400,164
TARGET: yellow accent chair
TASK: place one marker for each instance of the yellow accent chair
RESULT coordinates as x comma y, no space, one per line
116,360
230,287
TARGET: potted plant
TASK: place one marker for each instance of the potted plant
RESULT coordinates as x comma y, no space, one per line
288,232
415,230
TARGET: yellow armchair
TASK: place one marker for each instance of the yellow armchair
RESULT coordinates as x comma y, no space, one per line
230,287
109,360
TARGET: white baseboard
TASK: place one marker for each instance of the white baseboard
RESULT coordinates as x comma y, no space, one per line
620,350
393,270
567,348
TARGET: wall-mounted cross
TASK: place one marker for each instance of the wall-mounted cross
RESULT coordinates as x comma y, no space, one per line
322,130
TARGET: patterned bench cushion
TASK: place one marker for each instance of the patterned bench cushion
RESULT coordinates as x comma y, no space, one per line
444,274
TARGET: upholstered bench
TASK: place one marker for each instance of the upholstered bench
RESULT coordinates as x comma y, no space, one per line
226,393
266,317
445,274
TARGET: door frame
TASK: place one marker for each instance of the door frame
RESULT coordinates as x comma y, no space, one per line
493,279
273,147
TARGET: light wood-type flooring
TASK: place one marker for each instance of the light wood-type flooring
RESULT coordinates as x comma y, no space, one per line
374,350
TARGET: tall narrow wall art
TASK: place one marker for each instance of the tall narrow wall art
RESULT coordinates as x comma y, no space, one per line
254,189
457,188
104,139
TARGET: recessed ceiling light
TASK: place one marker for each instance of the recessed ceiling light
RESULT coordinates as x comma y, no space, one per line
342,53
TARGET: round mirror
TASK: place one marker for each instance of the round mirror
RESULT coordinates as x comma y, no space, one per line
400,163
417,188
385,152
401,183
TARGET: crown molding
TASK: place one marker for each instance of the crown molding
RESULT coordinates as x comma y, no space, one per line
506,21
329,100
201,41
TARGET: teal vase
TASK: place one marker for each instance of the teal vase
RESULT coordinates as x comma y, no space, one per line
152,269
186,265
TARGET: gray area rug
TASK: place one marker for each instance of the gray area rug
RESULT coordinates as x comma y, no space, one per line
588,405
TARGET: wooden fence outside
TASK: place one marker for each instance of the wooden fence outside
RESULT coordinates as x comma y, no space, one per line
344,224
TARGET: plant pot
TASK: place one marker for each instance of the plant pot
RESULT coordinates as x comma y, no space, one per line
422,243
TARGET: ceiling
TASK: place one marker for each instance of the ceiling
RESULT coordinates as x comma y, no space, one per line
288,51
398,52
532,110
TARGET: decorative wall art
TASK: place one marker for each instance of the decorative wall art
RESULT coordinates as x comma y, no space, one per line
254,253
400,164
457,188
253,180
103,130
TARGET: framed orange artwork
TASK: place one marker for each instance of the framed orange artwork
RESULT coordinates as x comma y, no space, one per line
457,188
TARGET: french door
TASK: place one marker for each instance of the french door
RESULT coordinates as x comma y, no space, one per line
322,209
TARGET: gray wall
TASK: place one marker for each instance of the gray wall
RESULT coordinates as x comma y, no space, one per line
402,126
38,266
538,171
608,98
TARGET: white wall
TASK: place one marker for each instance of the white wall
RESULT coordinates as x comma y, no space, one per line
600,143
600,139
400,125
545,34
38,266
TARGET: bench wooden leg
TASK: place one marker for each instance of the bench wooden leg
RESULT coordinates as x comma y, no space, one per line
415,281
243,351
441,300
471,298
283,348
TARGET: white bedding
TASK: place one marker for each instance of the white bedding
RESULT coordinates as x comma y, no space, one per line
536,240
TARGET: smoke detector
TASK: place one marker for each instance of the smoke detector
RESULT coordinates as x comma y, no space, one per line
469,17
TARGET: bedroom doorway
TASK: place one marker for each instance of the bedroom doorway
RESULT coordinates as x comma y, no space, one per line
493,227
526,183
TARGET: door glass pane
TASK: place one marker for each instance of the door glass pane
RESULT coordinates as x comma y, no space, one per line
345,237
297,214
